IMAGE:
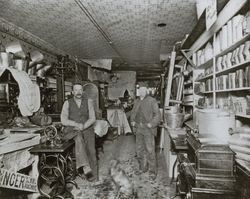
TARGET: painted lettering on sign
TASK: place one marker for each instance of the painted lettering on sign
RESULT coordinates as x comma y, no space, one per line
17,181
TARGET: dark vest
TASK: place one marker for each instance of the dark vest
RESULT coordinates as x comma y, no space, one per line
77,114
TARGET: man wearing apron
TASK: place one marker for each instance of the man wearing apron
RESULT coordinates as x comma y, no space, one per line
78,117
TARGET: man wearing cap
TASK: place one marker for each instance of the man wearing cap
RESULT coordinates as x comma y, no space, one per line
145,116
78,117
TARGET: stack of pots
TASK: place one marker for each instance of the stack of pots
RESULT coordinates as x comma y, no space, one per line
173,117
13,56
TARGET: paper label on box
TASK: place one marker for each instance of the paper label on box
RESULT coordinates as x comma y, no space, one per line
211,13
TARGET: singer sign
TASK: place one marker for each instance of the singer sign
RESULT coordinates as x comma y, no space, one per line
17,181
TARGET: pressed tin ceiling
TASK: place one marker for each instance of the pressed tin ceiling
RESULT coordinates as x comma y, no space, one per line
131,25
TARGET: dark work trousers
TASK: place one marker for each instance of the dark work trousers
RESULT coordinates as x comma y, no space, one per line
84,147
89,140
145,148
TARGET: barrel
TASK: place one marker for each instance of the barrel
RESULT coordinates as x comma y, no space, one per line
216,122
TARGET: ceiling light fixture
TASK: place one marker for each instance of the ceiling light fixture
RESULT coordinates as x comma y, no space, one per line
161,25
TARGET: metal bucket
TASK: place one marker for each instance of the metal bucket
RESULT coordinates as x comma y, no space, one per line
174,120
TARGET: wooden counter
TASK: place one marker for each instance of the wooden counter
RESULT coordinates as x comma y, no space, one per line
172,145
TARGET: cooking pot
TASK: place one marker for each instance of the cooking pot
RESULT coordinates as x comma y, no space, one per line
20,64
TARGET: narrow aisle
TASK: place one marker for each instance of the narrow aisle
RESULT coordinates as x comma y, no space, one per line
123,149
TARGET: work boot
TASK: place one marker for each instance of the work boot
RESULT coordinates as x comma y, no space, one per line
90,177
87,170
88,173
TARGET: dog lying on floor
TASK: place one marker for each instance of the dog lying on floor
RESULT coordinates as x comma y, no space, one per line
124,186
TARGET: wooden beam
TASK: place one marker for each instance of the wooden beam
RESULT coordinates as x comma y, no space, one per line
170,76
188,59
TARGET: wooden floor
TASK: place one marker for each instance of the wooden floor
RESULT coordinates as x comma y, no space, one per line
123,149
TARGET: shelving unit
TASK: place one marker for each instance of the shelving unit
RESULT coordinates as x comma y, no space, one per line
226,84
231,9
223,76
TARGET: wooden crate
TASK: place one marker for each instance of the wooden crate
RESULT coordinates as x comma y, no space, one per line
215,160
215,183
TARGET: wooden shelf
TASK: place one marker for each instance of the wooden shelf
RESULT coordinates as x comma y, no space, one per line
207,64
207,92
234,46
188,83
204,78
228,90
242,115
188,93
199,107
226,70
187,104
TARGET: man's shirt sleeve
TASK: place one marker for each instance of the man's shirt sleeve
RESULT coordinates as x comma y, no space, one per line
65,115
